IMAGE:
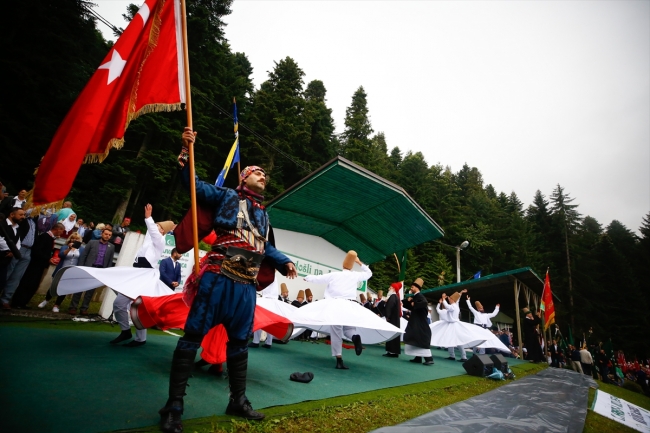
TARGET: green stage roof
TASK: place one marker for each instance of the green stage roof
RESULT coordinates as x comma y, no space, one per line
353,209
495,283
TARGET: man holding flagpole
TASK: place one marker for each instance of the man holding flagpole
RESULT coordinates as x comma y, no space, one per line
225,290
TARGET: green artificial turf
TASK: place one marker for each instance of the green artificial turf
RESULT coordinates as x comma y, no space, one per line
74,381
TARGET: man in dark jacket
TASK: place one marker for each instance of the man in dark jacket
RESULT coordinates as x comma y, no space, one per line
11,251
554,349
603,368
530,325
393,312
170,270
97,254
417,336
39,262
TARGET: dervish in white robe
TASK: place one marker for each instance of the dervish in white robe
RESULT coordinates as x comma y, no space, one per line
339,315
482,319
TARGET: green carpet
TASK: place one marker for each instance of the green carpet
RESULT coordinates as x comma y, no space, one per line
74,381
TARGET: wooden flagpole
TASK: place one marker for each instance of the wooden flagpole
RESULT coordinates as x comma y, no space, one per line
234,101
188,109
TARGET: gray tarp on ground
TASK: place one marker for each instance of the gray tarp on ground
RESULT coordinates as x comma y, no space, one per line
553,400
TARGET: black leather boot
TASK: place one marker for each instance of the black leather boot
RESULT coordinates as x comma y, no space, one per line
170,415
358,347
201,363
340,365
124,335
417,360
239,404
428,360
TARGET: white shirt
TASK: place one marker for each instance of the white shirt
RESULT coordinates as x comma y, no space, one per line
482,318
442,313
18,202
453,311
341,284
154,243
15,227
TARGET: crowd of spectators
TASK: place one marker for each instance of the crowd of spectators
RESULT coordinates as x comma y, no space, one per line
601,362
28,248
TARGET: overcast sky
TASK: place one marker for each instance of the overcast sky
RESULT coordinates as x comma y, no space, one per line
532,93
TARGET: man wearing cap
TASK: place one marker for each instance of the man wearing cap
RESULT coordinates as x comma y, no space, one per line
343,285
147,256
393,310
225,290
481,318
284,294
300,299
453,315
417,336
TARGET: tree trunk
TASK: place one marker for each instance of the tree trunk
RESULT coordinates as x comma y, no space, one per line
121,208
120,212
568,262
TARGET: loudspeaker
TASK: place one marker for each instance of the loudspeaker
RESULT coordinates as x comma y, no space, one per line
479,365
500,363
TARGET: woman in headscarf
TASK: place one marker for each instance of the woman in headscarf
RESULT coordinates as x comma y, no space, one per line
70,225
69,256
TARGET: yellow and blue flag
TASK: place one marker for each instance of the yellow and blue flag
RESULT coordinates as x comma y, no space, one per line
233,155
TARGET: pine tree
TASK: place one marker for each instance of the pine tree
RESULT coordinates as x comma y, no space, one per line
356,142
323,143
567,218
279,115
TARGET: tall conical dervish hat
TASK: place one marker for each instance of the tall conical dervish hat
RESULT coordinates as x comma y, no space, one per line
349,260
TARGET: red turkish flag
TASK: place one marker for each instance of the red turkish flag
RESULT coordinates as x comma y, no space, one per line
142,73
547,303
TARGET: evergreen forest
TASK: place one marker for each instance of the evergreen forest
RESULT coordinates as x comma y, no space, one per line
51,48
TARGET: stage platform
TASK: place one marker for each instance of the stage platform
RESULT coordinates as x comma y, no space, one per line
74,381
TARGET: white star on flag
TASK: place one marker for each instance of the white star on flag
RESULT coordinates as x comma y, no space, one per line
114,66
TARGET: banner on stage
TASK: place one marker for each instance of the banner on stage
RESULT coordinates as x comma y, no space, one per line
306,267
621,411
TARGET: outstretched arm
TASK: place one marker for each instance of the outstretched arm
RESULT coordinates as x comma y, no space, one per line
469,304
495,312
205,192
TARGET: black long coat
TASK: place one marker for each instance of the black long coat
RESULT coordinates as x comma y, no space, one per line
532,339
417,332
393,307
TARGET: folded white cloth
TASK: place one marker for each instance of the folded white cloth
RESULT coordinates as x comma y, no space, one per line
131,282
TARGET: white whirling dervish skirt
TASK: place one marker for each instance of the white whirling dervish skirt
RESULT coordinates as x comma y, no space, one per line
283,309
494,343
452,334
319,316
131,282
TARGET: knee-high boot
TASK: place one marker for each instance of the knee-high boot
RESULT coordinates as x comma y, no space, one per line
170,415
239,404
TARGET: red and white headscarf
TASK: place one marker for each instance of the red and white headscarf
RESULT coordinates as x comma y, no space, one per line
248,170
